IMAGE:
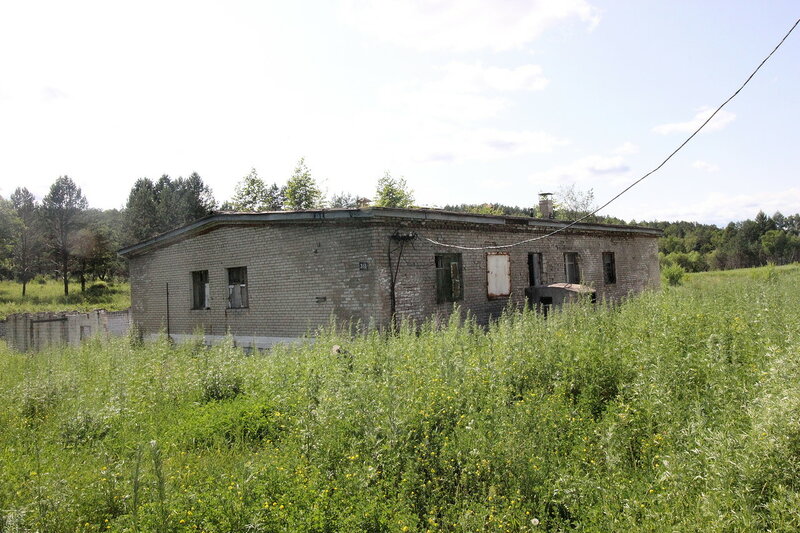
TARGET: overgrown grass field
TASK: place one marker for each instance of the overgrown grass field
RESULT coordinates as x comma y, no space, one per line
676,411
48,295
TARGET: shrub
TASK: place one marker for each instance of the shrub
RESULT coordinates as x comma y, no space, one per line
218,384
84,428
38,399
244,420
99,288
766,273
673,275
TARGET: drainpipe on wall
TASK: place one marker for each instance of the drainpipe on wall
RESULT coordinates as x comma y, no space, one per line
169,337
402,239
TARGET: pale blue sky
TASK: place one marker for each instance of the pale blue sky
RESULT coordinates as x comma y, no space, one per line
470,101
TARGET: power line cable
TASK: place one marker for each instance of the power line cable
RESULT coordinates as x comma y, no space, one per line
632,185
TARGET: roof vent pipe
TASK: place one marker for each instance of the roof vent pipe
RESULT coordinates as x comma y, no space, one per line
546,205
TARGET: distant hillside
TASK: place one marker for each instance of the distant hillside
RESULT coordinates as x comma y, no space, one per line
694,246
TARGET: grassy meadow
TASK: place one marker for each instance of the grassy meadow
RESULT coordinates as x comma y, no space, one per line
676,411
46,294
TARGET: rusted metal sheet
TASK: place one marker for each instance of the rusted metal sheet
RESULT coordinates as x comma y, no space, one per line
498,275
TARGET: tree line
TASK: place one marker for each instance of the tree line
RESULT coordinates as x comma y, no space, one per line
62,237
698,247
692,246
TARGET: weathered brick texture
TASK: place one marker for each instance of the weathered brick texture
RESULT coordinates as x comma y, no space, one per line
301,273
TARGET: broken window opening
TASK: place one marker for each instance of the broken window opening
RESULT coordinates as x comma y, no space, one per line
609,268
535,269
498,275
237,288
545,303
449,279
200,290
571,269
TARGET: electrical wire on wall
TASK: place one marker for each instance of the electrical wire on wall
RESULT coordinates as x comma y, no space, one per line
632,185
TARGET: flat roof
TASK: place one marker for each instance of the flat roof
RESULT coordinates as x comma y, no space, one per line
423,214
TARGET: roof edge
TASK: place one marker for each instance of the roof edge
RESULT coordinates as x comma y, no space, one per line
224,217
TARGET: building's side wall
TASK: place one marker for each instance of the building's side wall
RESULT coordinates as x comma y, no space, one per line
299,275
636,262
302,274
36,331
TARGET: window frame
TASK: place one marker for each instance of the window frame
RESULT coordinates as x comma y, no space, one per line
201,297
572,258
535,265
609,268
448,287
244,298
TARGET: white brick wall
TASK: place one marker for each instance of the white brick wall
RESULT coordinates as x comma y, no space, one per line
292,266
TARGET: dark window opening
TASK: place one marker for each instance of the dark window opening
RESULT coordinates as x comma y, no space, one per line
571,269
609,269
237,288
200,296
535,269
449,282
545,303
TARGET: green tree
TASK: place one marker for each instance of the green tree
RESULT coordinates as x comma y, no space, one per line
167,209
572,203
302,191
393,192
93,247
61,211
486,209
252,194
155,208
141,222
490,209
9,229
28,242
193,199
775,246
347,200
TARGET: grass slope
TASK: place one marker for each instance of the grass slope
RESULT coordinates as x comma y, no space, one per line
49,296
676,411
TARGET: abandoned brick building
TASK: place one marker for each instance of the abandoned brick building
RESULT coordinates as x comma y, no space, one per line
271,277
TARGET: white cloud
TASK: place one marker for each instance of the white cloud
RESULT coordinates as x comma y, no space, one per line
464,92
493,184
476,77
587,172
456,144
721,208
52,93
462,25
433,102
627,148
722,119
705,165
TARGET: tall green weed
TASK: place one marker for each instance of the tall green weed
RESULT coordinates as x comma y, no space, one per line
674,410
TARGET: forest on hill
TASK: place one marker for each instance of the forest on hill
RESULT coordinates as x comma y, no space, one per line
61,237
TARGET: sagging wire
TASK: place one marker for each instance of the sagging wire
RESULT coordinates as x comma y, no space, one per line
632,185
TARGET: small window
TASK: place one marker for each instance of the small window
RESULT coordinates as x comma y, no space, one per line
535,269
449,282
237,288
571,270
609,269
498,275
200,296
